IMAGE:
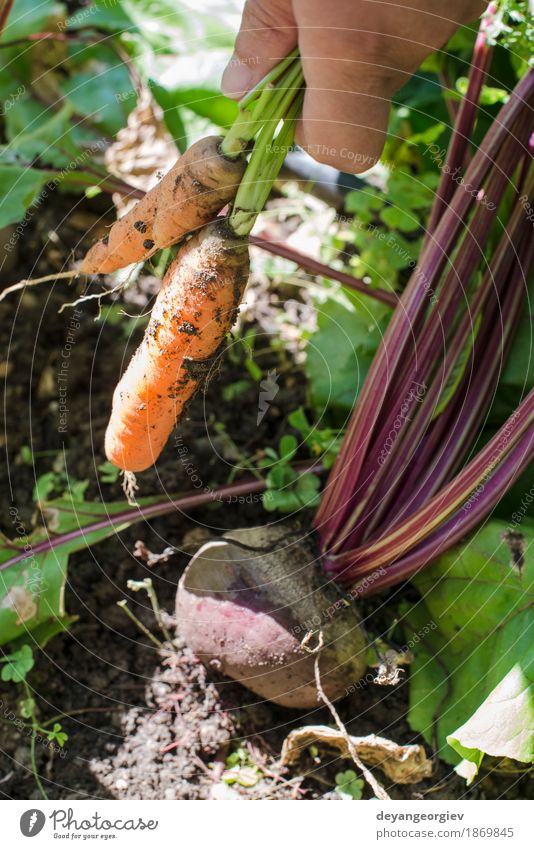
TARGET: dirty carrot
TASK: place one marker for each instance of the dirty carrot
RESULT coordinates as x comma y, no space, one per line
194,311
203,287
190,195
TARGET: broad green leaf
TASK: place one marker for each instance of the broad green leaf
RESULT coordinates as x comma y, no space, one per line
478,661
107,15
339,353
29,16
503,724
19,188
105,95
428,136
31,590
399,219
16,665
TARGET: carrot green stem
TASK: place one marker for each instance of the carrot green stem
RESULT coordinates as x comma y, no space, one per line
268,114
263,104
265,163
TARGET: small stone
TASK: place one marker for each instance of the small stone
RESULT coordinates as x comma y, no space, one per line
160,689
121,784
223,792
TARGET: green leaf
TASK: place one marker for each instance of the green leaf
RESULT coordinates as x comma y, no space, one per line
27,707
57,735
519,369
106,96
245,776
31,590
171,114
398,219
19,188
503,724
476,664
307,490
17,664
107,472
253,369
287,447
408,191
339,353
348,785
29,16
284,501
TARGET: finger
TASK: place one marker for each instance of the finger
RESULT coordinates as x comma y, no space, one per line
267,34
354,58
345,113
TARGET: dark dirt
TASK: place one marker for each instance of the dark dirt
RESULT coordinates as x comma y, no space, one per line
143,723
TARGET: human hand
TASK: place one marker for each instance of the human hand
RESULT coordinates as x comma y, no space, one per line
355,55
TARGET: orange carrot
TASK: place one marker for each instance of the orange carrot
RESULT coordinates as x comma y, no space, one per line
190,195
193,312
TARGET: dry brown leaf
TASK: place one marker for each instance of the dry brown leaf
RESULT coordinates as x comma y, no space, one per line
143,151
401,764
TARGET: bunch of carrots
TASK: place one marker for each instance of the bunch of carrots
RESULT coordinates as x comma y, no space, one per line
204,284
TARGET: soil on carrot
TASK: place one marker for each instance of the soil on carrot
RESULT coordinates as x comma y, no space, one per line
145,723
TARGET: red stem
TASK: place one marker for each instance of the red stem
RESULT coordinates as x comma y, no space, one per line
458,526
343,480
246,486
316,267
4,13
465,119
519,429
423,360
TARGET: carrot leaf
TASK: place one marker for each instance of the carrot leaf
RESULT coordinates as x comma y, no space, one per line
472,681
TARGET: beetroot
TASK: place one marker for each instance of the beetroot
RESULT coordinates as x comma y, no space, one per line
247,601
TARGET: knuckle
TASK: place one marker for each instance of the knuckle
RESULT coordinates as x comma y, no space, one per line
268,21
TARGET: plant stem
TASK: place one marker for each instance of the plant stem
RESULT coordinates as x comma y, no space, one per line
123,604
4,14
265,163
466,116
35,727
247,486
313,266
345,478
157,610
266,101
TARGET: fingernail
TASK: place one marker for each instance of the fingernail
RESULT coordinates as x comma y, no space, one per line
237,78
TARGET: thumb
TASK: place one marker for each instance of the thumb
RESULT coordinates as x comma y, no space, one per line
267,34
